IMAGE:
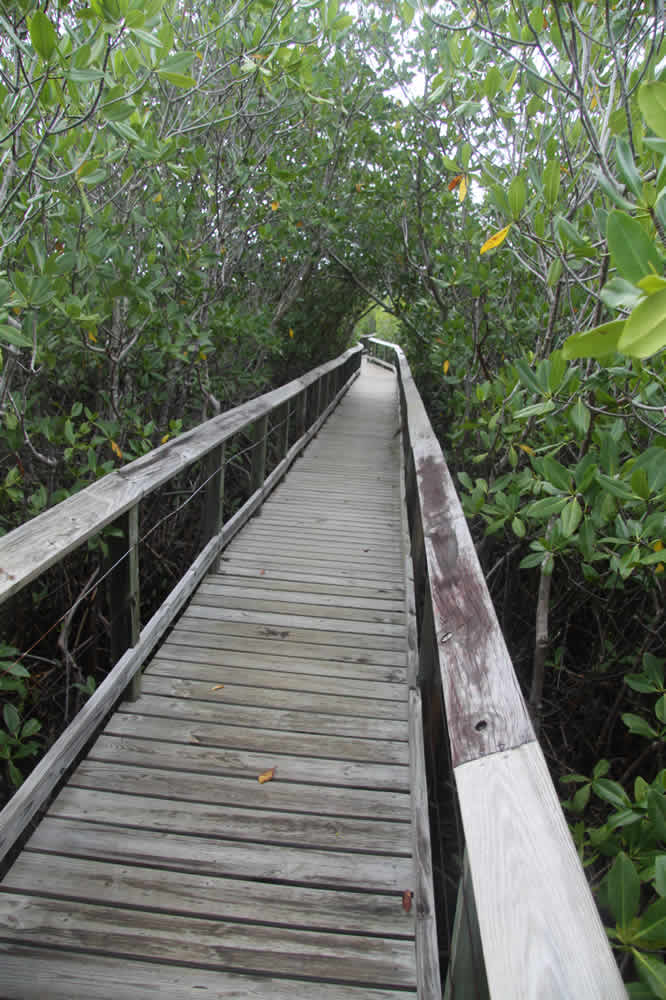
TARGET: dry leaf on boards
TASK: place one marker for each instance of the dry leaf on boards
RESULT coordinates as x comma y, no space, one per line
217,687
266,776
407,900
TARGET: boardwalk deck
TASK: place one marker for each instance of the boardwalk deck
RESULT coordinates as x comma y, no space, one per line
164,867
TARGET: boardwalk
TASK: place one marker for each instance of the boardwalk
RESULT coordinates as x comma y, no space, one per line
164,867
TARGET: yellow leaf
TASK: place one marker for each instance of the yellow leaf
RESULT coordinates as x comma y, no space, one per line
446,367
275,205
593,102
659,568
462,189
526,448
116,450
658,546
199,56
91,337
495,240
165,438
16,310
266,776
218,687
291,332
158,197
202,356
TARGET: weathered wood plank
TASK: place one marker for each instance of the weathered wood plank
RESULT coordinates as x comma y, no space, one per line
61,975
538,894
293,722
242,763
212,856
202,619
292,700
274,679
296,608
258,590
214,944
245,793
259,826
190,895
339,670
272,646
316,581
269,741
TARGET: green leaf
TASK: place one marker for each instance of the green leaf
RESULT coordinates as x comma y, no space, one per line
624,889
518,527
177,79
579,415
13,336
15,775
598,342
660,709
620,294
30,727
527,376
627,167
143,36
535,410
12,719
652,971
42,35
517,196
634,253
551,182
652,102
645,330
555,473
657,812
545,508
641,727
660,874
611,791
571,517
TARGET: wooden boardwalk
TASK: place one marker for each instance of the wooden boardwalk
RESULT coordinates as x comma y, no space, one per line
164,867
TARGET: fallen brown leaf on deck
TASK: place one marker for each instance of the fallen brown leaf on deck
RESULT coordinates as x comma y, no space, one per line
193,739
266,776
217,687
407,900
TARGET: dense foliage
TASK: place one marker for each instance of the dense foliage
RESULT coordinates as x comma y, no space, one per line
195,204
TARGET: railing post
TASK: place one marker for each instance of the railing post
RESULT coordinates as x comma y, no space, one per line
258,473
213,517
318,399
282,429
301,408
124,594
466,976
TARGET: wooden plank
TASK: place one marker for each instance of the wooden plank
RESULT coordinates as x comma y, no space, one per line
213,856
305,623
295,608
257,590
294,722
316,581
214,944
540,928
271,646
62,975
33,547
267,741
242,763
251,696
244,793
326,560
193,621
266,660
257,826
206,896
427,948
274,679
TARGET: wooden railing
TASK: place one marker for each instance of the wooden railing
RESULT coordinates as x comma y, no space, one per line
31,549
526,924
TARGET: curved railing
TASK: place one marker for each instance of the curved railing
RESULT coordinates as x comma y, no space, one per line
526,923
35,546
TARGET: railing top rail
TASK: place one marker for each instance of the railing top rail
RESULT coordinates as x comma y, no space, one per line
33,547
541,933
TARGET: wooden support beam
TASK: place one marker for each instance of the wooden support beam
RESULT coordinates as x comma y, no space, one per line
258,472
124,592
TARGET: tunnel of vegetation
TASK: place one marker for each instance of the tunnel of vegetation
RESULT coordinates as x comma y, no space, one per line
200,202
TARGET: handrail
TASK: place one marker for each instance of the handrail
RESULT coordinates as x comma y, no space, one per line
34,547
540,931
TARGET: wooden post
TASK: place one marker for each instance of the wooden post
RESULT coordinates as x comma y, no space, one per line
318,398
258,473
282,430
301,408
124,594
213,517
